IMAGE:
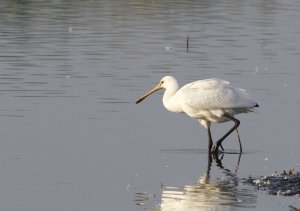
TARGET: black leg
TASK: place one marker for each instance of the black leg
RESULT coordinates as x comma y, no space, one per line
222,147
210,142
239,140
219,143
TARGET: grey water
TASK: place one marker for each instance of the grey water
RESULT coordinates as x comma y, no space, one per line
72,138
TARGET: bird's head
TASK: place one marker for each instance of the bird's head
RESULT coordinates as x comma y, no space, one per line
163,84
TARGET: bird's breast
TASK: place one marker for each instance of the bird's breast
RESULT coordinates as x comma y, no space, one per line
172,103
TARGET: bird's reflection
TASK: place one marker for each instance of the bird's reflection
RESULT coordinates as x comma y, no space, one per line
208,193
223,193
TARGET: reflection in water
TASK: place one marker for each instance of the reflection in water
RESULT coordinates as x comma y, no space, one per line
209,194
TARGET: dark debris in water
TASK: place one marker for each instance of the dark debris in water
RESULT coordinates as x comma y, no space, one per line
285,184
141,198
294,208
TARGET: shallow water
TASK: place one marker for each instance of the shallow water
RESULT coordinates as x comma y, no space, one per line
72,139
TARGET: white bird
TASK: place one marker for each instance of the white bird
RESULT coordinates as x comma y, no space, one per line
208,101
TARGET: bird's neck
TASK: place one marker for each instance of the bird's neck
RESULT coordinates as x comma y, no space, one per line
169,99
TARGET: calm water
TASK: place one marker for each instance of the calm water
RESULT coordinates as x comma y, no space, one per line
71,138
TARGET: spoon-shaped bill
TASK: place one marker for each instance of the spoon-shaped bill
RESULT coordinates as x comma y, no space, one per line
158,87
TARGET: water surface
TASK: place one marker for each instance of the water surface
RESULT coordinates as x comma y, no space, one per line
73,140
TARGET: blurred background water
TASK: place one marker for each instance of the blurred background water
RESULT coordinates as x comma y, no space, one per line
72,139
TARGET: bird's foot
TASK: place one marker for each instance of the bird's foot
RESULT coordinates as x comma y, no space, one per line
215,149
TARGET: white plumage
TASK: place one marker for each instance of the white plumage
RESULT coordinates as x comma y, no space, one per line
209,100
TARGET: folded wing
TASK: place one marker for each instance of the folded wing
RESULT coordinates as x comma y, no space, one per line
212,94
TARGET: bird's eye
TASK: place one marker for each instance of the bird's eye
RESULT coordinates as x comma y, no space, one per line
162,82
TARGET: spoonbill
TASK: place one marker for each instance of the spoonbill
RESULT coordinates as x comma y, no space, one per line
209,101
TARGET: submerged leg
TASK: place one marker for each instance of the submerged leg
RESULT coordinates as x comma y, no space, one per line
236,124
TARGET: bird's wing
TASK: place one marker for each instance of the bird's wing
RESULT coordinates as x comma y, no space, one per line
207,83
213,94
